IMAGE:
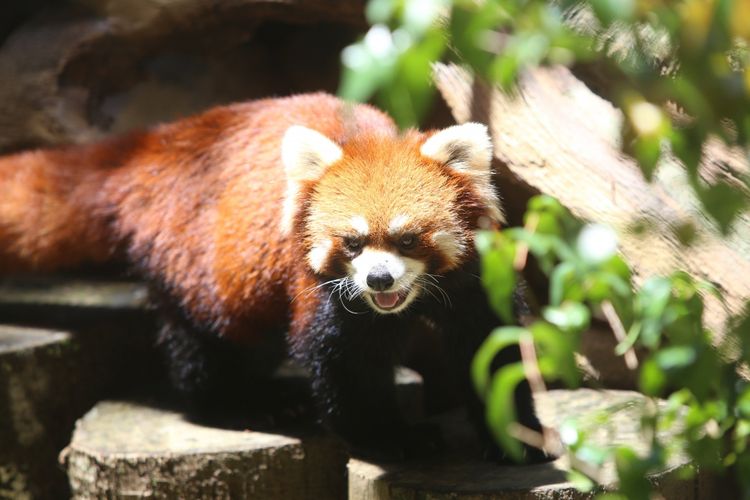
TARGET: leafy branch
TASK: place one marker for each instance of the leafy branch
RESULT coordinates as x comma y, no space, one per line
707,400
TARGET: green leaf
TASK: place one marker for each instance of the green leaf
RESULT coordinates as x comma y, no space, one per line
484,240
379,11
592,454
652,300
501,407
743,403
675,357
580,481
563,284
556,352
632,471
647,150
499,339
723,202
546,203
652,379
570,316
499,276
609,11
469,25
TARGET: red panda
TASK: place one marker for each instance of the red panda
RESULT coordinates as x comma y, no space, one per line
302,221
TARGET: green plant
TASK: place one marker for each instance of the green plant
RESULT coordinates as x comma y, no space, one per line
679,71
663,318
677,68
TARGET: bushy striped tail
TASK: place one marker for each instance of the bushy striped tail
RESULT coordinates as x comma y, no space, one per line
50,217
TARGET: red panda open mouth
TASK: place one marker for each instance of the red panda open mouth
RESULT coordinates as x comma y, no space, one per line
388,300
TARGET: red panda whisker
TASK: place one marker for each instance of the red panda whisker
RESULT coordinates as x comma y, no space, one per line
429,291
307,291
345,283
433,277
426,287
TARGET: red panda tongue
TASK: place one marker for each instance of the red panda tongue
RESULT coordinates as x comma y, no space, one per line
386,300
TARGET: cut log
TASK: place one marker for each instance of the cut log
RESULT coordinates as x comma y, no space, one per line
462,476
34,409
49,378
54,300
130,449
127,449
556,137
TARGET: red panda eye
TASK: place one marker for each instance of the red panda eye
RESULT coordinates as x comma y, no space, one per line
353,243
407,241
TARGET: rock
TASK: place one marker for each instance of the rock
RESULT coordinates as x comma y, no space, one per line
461,475
75,73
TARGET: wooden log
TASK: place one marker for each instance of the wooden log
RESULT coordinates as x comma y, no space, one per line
461,475
130,449
127,449
34,409
49,377
555,136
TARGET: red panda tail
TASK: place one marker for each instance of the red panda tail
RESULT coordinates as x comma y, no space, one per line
48,211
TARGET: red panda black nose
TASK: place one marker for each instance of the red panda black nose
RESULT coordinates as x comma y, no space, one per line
379,279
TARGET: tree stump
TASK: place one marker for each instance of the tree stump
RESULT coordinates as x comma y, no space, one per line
81,349
34,367
461,475
122,449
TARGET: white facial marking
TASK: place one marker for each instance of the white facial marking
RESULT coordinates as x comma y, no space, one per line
360,225
369,258
451,247
397,223
318,254
404,271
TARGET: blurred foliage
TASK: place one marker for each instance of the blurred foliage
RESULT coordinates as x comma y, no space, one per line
707,402
678,69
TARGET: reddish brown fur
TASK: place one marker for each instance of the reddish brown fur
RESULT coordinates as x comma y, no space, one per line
380,180
197,204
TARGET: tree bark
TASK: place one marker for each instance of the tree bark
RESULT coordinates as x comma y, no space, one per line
555,136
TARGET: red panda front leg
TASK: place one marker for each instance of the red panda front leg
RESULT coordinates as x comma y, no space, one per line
220,382
467,324
351,359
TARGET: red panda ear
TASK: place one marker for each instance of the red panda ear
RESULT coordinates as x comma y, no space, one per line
306,154
467,149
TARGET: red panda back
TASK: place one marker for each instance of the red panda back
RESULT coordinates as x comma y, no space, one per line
195,205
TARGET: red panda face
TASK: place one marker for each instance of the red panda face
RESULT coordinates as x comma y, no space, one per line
384,216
